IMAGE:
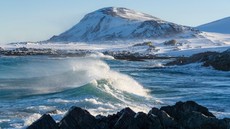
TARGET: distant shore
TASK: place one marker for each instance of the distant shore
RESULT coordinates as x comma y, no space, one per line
218,60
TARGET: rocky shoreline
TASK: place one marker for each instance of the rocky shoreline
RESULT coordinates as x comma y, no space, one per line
23,51
219,61
182,115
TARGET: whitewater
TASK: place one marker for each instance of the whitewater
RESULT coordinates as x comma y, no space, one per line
34,85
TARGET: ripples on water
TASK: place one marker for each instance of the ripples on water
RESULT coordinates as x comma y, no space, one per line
34,85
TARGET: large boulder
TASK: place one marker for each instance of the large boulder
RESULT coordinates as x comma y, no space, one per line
190,115
177,111
77,118
44,122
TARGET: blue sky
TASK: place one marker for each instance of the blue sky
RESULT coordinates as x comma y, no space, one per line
36,20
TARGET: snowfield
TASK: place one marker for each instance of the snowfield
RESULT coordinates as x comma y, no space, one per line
184,47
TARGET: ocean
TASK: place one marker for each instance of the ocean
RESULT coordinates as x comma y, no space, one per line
33,85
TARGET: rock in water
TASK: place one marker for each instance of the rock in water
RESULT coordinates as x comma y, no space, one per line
45,122
77,118
219,61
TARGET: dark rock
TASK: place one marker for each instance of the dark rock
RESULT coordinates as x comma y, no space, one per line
172,42
219,61
143,121
196,120
126,116
114,119
190,115
126,55
200,57
177,111
102,122
45,122
126,110
165,119
77,118
155,122
225,123
182,115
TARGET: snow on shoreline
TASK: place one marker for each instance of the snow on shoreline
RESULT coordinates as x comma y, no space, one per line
187,46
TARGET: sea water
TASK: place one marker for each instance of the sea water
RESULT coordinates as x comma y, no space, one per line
33,85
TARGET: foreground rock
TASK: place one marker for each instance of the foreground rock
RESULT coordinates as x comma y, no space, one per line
219,61
182,115
45,122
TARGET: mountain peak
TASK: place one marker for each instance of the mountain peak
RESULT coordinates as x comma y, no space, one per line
124,13
116,23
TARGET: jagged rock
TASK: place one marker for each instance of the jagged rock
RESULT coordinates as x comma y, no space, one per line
126,110
165,119
196,120
191,115
45,122
113,119
182,115
102,122
125,119
177,111
143,121
77,118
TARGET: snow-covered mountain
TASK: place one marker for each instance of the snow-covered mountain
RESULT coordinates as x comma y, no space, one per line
109,24
219,26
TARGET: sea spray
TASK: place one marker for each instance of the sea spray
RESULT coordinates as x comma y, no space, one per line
40,84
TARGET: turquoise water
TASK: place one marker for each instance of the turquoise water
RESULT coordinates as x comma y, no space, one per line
33,85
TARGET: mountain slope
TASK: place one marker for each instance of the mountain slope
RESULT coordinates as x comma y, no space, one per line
120,24
219,26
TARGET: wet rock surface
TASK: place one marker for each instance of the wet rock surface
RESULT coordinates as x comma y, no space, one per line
182,115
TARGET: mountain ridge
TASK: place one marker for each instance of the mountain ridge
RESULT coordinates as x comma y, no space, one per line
218,26
117,23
